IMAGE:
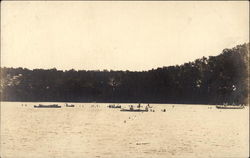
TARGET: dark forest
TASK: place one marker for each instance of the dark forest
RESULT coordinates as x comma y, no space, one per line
208,80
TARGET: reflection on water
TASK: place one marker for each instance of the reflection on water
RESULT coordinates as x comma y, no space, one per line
97,131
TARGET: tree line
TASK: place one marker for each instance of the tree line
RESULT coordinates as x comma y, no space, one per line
213,80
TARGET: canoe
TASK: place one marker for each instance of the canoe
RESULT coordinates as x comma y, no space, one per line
47,106
67,105
113,106
134,110
229,107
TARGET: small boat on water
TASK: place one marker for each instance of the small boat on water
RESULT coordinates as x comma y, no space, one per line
131,109
69,105
230,106
114,106
47,106
134,110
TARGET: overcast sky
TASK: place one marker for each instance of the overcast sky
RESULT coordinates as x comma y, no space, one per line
118,35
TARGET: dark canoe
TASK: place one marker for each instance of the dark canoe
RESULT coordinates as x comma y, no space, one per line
70,105
113,106
134,110
47,106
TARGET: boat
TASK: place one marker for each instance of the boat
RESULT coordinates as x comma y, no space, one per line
68,105
230,106
47,106
131,109
114,106
134,110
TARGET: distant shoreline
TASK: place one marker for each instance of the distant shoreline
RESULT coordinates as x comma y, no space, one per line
108,103
213,80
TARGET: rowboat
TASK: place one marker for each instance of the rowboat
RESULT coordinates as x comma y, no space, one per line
114,106
134,110
131,109
47,106
68,105
230,107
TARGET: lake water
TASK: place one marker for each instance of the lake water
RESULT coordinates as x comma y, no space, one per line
86,131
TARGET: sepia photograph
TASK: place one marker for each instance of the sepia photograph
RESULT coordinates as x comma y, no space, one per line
124,79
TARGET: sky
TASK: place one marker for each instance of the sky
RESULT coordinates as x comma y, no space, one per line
118,35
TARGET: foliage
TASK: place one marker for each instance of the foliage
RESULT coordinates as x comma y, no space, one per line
213,80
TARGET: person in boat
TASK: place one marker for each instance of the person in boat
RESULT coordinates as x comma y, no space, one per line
139,105
149,106
131,107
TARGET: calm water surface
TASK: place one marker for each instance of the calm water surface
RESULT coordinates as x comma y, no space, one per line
87,131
